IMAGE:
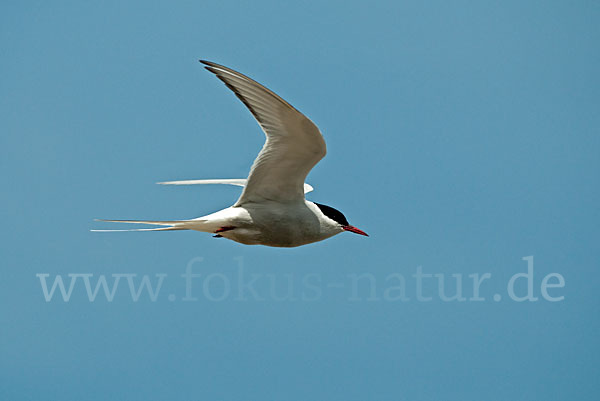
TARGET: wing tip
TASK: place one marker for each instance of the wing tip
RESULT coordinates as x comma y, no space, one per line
212,67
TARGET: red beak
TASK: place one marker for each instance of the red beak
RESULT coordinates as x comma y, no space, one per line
355,230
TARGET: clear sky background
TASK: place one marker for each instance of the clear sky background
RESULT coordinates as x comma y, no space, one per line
463,136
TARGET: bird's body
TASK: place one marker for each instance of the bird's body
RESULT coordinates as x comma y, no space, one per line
273,223
272,209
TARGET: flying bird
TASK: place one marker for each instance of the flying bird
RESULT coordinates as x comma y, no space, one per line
272,209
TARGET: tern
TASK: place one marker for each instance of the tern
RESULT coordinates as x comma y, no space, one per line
272,209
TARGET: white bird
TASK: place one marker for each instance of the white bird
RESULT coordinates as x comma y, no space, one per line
272,209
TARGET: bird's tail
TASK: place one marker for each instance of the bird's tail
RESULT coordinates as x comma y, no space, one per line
166,225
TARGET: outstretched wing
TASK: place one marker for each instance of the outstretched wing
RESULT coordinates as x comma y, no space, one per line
293,147
240,182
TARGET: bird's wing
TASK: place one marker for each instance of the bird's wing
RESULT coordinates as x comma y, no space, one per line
240,182
293,147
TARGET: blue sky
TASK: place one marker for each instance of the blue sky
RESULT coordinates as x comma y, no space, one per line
462,136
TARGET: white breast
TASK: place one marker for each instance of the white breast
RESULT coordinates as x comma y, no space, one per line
280,225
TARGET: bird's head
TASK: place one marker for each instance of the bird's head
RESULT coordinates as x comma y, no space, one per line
339,218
